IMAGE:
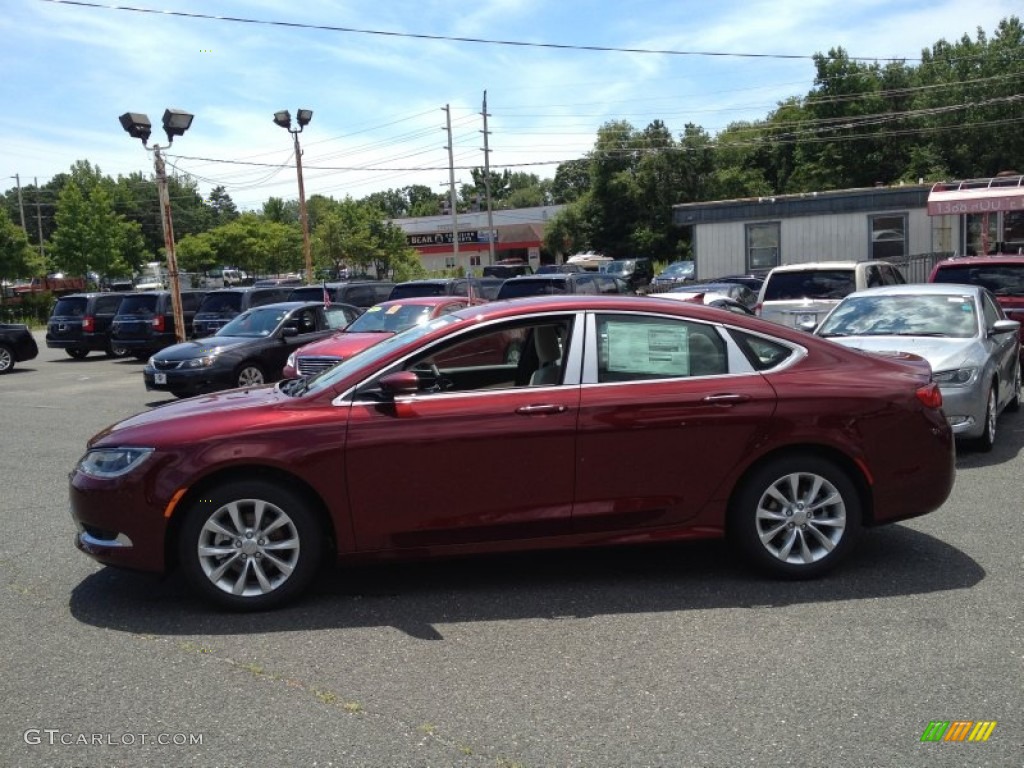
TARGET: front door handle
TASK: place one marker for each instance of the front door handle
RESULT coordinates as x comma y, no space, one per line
531,410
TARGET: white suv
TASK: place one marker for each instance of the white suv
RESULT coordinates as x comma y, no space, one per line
799,295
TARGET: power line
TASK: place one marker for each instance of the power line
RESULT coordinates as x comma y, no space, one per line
454,39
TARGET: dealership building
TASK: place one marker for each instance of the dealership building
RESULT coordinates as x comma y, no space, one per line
516,234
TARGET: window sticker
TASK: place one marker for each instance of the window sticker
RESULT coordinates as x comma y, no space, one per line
648,348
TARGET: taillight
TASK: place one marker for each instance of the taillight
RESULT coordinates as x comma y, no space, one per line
158,323
88,323
930,395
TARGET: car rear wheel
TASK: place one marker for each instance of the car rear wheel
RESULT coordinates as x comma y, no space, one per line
77,354
249,375
6,358
116,350
250,545
796,516
988,437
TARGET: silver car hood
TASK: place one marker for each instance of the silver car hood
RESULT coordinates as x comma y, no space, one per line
942,354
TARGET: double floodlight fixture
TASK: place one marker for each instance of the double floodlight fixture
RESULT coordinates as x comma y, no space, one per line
137,125
284,119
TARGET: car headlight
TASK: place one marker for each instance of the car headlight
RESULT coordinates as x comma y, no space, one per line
112,462
290,362
199,362
958,377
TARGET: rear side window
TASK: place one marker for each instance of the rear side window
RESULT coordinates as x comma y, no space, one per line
222,303
138,305
70,306
514,289
810,284
268,296
189,301
1001,279
415,290
107,305
762,353
311,293
634,348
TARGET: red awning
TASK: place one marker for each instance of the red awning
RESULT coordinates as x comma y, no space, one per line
1002,193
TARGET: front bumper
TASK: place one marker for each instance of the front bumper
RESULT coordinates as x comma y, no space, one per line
965,409
192,381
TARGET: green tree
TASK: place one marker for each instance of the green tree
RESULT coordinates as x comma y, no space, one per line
17,259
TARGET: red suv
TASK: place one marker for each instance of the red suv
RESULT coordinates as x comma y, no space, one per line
1003,275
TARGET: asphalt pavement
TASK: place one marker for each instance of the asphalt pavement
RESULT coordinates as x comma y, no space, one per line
663,656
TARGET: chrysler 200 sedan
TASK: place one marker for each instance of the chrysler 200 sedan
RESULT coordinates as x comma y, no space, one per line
641,420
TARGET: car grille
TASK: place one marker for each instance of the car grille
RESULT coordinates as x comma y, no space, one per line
166,365
311,366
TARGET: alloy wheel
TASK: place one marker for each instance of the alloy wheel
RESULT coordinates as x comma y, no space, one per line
800,518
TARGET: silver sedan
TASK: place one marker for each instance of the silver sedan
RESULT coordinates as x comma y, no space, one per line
959,329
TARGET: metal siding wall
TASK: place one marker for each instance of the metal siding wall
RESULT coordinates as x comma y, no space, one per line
720,249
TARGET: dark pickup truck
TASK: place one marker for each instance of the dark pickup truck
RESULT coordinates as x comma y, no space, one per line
16,345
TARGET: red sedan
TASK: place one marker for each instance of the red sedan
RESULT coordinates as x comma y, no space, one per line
376,324
640,420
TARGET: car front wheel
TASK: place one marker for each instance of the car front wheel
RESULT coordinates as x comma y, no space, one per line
796,516
77,354
1014,405
6,359
249,375
988,437
249,545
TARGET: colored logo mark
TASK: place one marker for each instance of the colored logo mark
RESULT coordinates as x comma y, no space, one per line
958,730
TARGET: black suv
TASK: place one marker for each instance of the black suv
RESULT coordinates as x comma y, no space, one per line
548,284
359,294
144,322
80,323
442,286
219,307
637,272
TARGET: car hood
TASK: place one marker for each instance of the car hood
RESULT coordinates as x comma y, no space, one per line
941,354
211,345
342,344
196,417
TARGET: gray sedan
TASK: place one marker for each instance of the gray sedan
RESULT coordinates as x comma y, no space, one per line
959,329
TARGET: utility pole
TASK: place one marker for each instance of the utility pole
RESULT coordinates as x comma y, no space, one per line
451,184
487,187
21,205
39,217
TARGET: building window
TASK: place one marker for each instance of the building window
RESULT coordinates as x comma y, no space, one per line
888,236
474,260
450,262
763,245
981,233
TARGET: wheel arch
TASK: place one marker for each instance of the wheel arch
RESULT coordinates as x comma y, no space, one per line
842,460
241,473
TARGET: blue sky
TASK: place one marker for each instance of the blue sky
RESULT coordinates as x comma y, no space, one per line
69,70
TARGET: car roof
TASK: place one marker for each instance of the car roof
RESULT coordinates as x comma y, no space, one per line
823,265
431,301
986,260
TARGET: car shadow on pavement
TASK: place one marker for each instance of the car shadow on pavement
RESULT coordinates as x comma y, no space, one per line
417,597
1008,444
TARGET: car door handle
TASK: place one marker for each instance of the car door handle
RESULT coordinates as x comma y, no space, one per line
531,410
726,399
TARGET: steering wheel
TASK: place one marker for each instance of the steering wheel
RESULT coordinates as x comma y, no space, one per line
430,377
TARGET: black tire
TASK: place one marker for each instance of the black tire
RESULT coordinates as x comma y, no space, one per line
249,374
181,393
116,351
236,567
988,436
806,536
1014,405
6,359
77,354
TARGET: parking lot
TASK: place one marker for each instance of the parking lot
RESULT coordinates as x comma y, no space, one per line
667,656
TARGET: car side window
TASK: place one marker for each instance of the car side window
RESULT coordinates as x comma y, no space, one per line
519,354
760,352
633,348
874,277
992,311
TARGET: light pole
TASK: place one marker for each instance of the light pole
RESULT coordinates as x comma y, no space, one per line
284,119
175,122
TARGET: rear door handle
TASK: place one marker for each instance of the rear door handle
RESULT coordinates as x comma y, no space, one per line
531,410
726,399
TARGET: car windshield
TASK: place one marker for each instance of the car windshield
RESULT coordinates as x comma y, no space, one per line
368,357
70,307
678,269
1001,279
619,267
391,319
810,284
950,315
255,323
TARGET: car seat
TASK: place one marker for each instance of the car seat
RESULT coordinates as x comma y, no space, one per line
549,352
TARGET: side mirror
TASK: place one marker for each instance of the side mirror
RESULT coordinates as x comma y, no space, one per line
400,383
289,331
1004,326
